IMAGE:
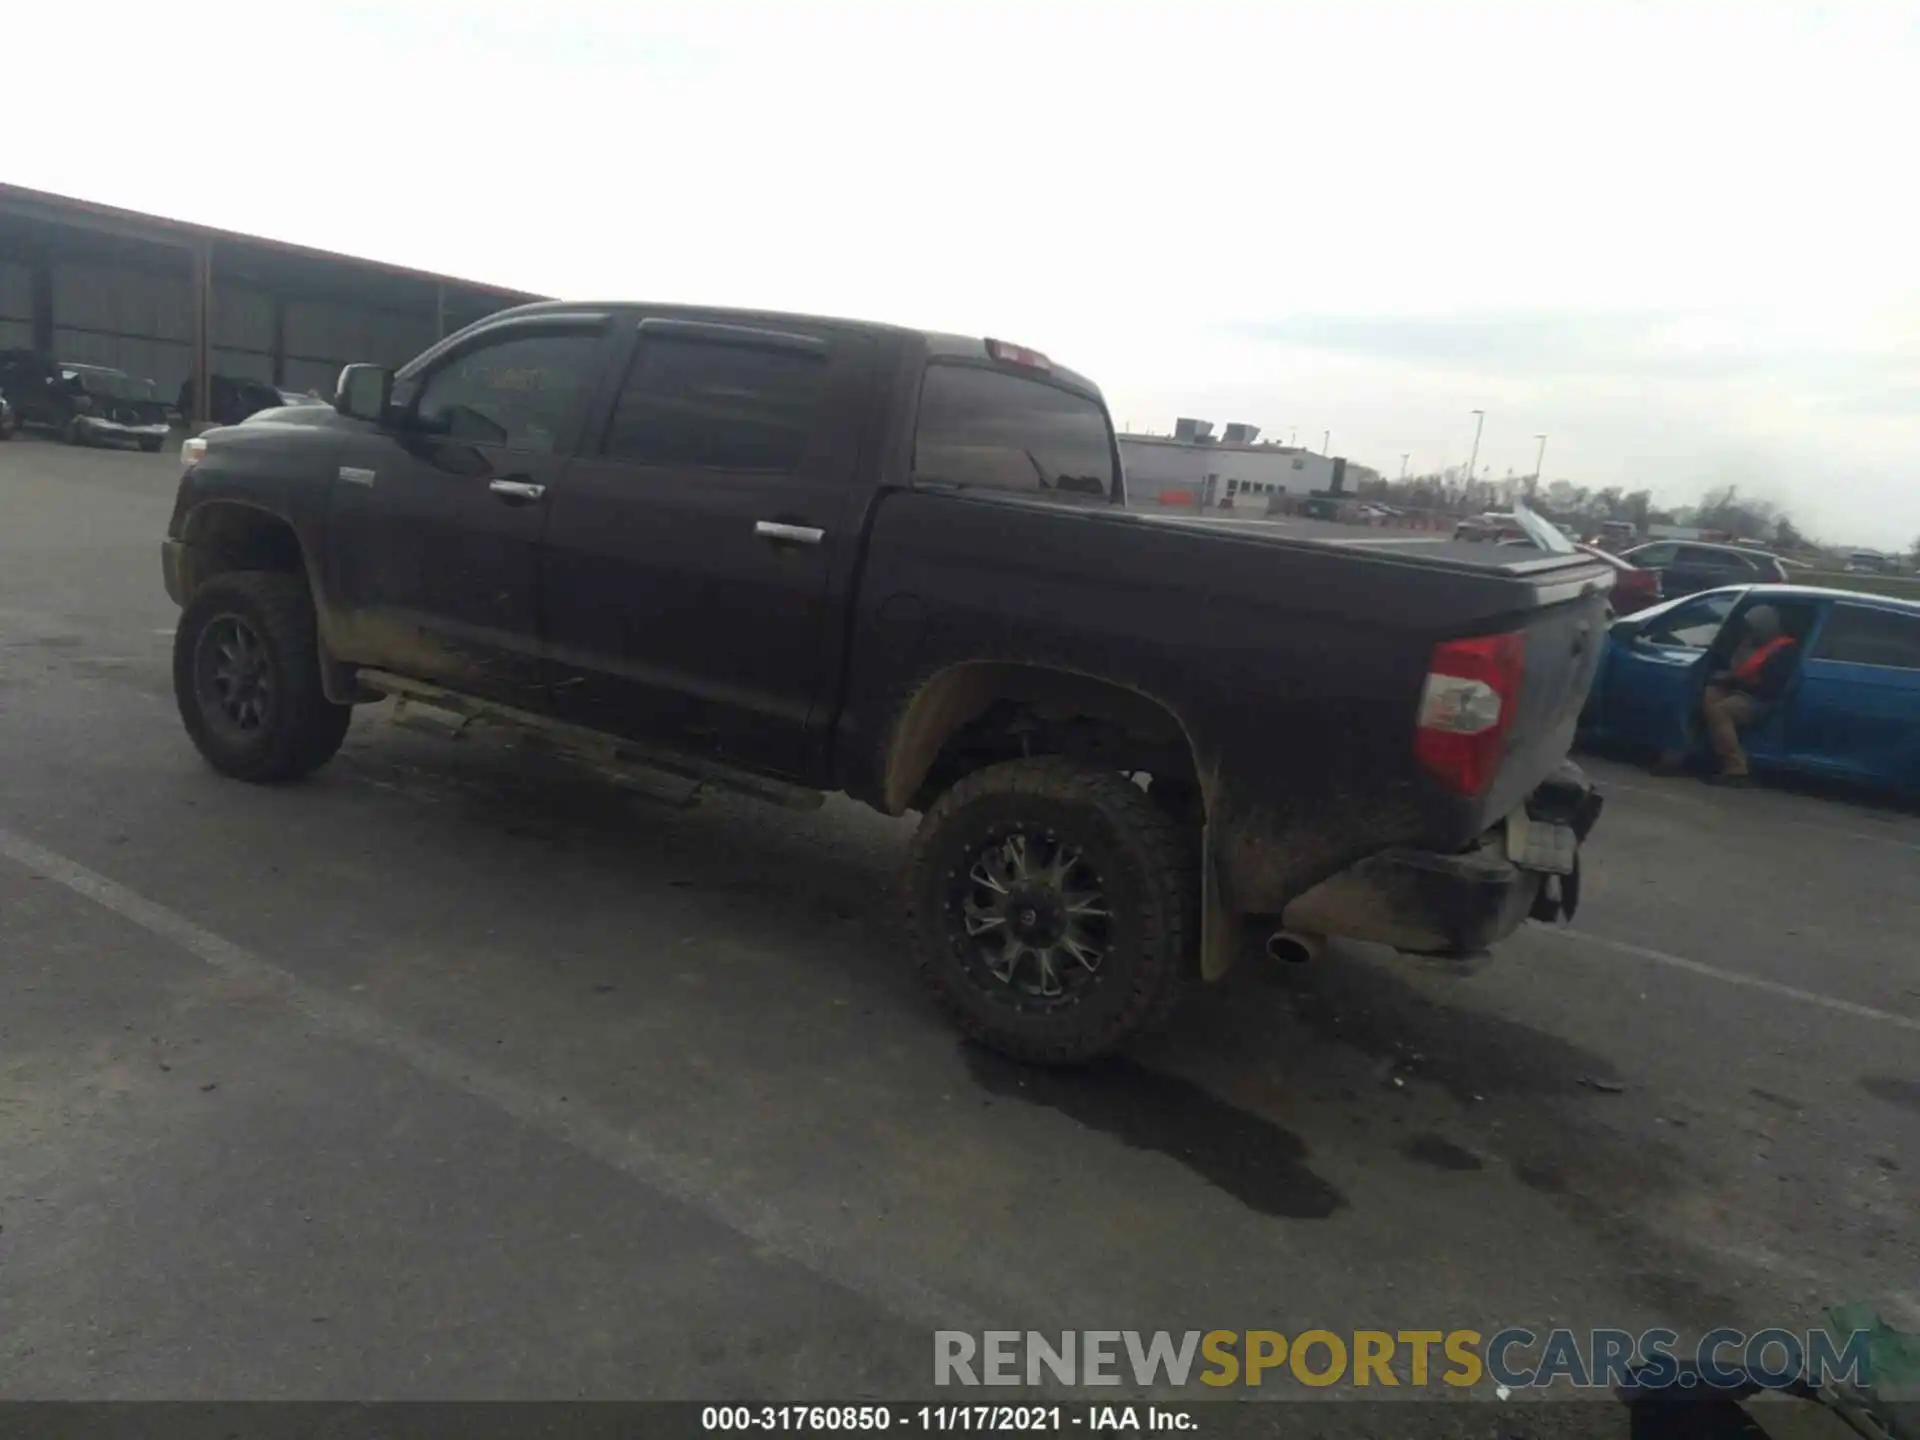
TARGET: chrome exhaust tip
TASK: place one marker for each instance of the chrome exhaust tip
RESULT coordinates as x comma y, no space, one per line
1293,948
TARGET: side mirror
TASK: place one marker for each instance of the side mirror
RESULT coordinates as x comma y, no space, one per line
365,392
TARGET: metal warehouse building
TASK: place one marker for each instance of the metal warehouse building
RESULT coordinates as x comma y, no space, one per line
1191,467
167,301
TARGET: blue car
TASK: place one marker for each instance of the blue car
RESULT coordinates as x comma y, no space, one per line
1851,711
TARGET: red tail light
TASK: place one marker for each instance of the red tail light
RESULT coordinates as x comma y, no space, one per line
1466,709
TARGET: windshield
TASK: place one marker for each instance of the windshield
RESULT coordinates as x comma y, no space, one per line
113,384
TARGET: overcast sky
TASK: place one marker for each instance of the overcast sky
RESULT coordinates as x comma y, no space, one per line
1683,240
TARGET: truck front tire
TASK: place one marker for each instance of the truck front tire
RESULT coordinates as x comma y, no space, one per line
246,675
1051,908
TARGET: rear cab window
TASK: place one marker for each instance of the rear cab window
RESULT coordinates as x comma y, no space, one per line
984,428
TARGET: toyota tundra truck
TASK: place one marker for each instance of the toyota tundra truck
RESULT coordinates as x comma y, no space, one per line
800,556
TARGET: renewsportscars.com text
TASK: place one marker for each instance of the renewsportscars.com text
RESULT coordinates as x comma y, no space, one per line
1515,1358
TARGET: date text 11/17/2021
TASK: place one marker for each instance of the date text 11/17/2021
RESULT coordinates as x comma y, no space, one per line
938,1419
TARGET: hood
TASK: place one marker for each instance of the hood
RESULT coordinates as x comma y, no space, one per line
299,417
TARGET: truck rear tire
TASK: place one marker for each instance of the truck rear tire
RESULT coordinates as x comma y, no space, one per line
1051,909
246,676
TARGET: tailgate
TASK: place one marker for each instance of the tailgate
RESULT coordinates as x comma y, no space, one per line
1565,637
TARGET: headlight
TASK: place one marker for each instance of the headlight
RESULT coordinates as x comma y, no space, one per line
192,452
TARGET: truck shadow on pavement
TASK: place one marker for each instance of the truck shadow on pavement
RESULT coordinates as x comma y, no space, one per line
1353,1057
1259,1163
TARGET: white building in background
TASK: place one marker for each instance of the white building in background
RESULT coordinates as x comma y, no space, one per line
1192,468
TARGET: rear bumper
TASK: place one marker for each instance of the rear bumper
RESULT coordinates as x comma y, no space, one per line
1428,904
99,429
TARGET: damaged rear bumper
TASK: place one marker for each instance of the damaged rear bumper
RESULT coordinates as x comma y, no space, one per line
1430,904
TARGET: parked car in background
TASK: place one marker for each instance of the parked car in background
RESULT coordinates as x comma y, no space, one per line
83,404
231,400
1493,525
1689,566
1634,589
1851,712
1871,562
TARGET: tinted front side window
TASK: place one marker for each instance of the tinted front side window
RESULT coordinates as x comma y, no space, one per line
718,404
1861,636
1003,432
524,393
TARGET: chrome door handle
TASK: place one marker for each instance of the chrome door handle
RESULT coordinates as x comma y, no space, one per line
789,534
516,489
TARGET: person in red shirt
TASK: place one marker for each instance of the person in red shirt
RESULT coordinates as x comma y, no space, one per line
1743,694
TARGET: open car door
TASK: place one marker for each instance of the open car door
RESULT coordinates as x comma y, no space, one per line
1655,669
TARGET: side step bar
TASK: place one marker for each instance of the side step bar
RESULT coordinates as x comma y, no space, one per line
588,746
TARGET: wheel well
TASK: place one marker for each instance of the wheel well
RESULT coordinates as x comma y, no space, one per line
224,536
979,714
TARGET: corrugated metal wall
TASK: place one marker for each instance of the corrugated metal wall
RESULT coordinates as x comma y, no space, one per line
322,336
136,320
241,332
107,294
16,306
142,322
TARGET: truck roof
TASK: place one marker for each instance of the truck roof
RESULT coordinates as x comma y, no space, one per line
936,342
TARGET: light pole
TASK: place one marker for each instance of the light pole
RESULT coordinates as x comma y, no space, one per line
1474,458
1539,460
1326,438
1403,464
1293,435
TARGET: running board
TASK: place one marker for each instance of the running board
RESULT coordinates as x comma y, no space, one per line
621,757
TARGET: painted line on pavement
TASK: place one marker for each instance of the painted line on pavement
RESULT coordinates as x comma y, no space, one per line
623,1150
1700,802
1734,977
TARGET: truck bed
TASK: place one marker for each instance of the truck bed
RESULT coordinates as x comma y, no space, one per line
1293,654
1439,546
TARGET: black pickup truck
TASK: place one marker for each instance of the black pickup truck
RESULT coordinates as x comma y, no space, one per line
804,555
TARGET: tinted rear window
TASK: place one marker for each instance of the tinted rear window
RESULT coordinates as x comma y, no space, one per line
1860,636
997,431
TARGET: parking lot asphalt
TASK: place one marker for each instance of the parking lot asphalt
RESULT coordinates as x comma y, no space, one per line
447,1074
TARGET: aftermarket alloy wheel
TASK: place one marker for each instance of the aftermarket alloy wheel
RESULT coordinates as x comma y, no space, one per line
246,676
1051,909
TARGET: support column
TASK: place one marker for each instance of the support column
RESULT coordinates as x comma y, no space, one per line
279,341
42,282
202,332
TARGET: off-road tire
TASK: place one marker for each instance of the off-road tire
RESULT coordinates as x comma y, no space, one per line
303,728
1147,867
152,447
